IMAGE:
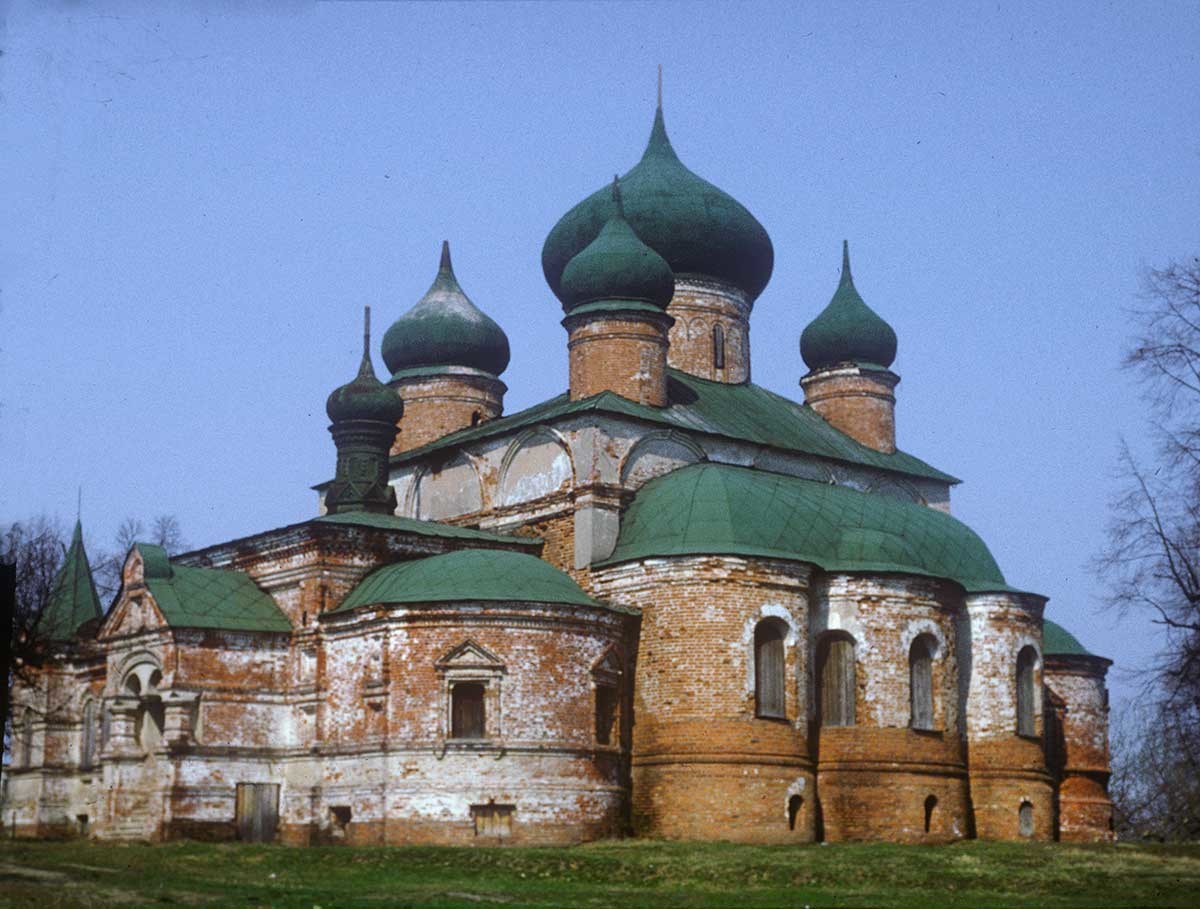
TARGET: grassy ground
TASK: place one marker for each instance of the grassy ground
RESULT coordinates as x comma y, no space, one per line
626,874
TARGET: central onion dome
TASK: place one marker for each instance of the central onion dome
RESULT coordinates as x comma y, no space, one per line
847,330
616,270
445,331
694,226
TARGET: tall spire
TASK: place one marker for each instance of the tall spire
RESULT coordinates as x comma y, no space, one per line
363,414
660,86
73,599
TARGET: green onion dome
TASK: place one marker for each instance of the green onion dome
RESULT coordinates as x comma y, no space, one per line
696,227
365,397
445,329
616,268
847,330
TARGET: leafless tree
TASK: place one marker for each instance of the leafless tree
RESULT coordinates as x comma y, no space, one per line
164,531
1152,561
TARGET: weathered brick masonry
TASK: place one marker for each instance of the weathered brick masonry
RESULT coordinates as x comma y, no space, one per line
664,602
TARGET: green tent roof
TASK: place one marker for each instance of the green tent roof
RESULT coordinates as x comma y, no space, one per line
208,597
744,412
73,600
1057,640
466,575
718,509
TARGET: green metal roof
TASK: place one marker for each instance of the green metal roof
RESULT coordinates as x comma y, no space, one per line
847,330
744,412
467,575
208,597
445,328
422,528
695,226
616,266
1057,640
73,600
722,510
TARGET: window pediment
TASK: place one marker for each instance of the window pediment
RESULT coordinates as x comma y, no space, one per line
470,656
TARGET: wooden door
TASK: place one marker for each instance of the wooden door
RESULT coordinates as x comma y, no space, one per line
257,812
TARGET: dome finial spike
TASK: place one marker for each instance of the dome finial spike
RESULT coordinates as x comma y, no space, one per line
445,265
616,194
846,276
660,86
366,331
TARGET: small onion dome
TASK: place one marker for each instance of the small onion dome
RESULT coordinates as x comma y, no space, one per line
445,329
696,227
617,268
847,330
365,398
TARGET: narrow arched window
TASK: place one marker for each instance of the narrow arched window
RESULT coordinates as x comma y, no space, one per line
930,804
25,749
467,720
87,744
606,713
836,677
1025,819
920,681
1026,662
718,346
769,669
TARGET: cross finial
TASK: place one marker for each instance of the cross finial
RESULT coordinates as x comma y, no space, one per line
660,86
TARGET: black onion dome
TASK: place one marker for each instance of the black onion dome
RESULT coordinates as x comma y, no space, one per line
364,397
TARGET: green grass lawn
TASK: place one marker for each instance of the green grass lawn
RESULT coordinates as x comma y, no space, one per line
626,874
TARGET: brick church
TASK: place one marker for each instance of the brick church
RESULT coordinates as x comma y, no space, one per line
664,603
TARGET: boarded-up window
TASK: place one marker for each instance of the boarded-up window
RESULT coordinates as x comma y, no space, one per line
257,812
837,681
492,819
769,669
87,745
466,711
606,713
1025,819
920,680
718,346
1026,660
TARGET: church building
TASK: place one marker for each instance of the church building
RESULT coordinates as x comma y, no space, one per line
664,603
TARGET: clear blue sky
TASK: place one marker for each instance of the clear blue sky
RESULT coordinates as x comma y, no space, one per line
201,198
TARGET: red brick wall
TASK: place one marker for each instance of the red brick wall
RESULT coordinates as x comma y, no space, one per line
704,767
698,305
625,353
858,401
435,406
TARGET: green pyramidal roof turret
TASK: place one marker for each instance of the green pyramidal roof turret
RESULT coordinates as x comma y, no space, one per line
692,224
847,330
617,268
445,329
73,600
